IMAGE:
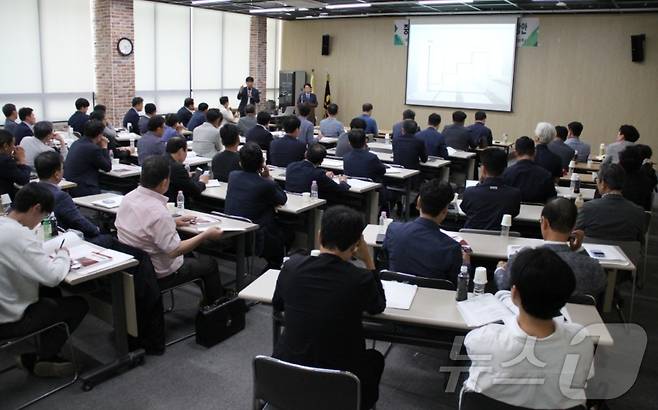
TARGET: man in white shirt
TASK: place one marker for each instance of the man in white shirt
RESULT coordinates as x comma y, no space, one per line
527,361
42,142
227,113
28,300
206,138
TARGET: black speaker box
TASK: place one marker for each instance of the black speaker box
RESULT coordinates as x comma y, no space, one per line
325,44
637,47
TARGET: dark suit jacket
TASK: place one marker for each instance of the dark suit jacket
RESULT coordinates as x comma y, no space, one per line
260,136
458,137
68,215
486,203
551,162
480,134
420,248
251,196
132,117
243,97
12,173
612,217
324,298
434,142
535,183
82,166
363,164
409,151
301,174
77,121
22,130
223,163
638,189
180,180
197,119
286,150
184,115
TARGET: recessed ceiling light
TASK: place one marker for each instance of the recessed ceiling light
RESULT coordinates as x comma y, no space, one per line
347,6
273,10
430,2
200,2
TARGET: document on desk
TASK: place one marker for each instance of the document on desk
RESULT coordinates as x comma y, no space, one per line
399,295
213,183
451,151
110,202
481,310
606,253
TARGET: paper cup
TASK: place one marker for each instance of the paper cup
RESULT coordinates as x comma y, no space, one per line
171,206
507,220
115,161
480,275
306,196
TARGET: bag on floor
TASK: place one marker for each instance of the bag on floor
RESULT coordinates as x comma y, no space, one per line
219,321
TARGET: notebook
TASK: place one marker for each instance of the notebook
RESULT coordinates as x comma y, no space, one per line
399,295
109,203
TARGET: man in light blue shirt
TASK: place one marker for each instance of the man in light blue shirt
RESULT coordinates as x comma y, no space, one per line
151,142
371,124
573,140
330,126
306,127
9,110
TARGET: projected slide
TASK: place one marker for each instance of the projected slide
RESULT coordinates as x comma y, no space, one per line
461,63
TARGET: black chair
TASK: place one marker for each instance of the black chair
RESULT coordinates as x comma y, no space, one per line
478,401
420,281
286,386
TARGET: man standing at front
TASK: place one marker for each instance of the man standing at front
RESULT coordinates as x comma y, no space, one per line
248,95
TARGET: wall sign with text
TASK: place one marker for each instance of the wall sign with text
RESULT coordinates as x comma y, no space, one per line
527,32
401,33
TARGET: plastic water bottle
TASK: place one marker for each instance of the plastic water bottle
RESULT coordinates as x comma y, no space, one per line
505,138
53,225
111,154
387,138
180,202
5,204
505,225
462,284
382,222
314,189
479,281
575,183
70,131
132,142
580,201
47,229
130,127
602,149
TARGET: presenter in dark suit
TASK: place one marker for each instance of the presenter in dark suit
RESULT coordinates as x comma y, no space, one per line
179,177
86,157
301,174
433,139
324,298
186,111
132,115
248,95
534,182
287,149
359,162
486,203
307,97
408,150
79,118
260,134
24,129
253,194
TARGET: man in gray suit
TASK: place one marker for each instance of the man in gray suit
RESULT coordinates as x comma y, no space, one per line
248,121
206,138
559,148
10,113
143,124
557,221
628,135
456,135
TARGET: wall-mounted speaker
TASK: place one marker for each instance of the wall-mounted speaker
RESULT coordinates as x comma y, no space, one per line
637,47
325,44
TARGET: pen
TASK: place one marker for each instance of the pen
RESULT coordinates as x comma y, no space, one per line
62,244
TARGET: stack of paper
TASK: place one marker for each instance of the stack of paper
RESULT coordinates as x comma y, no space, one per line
213,183
481,310
109,203
399,295
604,252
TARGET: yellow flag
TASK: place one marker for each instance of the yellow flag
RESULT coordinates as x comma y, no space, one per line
312,81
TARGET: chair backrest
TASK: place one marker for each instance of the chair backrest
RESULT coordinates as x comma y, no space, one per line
488,232
582,299
478,401
290,110
632,249
647,221
288,386
237,218
421,281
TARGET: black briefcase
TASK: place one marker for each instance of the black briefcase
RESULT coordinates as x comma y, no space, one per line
220,321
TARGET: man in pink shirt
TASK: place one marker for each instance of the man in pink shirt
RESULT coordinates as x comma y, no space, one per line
144,222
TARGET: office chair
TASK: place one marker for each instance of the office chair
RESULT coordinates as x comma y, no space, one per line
478,401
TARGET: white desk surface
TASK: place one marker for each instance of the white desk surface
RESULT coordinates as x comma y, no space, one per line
567,192
63,184
328,140
124,171
296,204
357,186
73,278
194,160
495,247
391,172
431,308
125,136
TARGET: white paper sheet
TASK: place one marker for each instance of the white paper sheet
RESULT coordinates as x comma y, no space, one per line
399,295
481,310
109,203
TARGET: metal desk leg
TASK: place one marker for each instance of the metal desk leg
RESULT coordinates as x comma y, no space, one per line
407,193
372,206
240,261
610,290
311,229
125,359
445,174
470,172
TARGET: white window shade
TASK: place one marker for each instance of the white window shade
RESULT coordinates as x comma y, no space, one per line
20,72
144,20
236,53
172,47
273,52
206,50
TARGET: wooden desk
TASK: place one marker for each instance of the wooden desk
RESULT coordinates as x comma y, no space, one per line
434,308
585,167
63,184
584,179
566,192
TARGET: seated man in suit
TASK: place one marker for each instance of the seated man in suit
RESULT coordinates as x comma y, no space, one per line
228,160
132,115
574,129
612,217
50,170
151,141
397,127
558,219
534,182
29,299
419,247
24,129
324,297
480,133
288,149
359,162
253,194
435,144
186,111
330,126
408,150
42,142
301,174
10,113
544,134
371,124
638,187
207,142
559,148
531,345
627,136
121,152
344,146
144,222
305,126
261,134
487,202
180,179
248,121
150,111
14,170
79,118
86,157
199,117
456,135
172,128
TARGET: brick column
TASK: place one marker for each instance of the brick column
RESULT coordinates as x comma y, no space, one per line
258,54
115,74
